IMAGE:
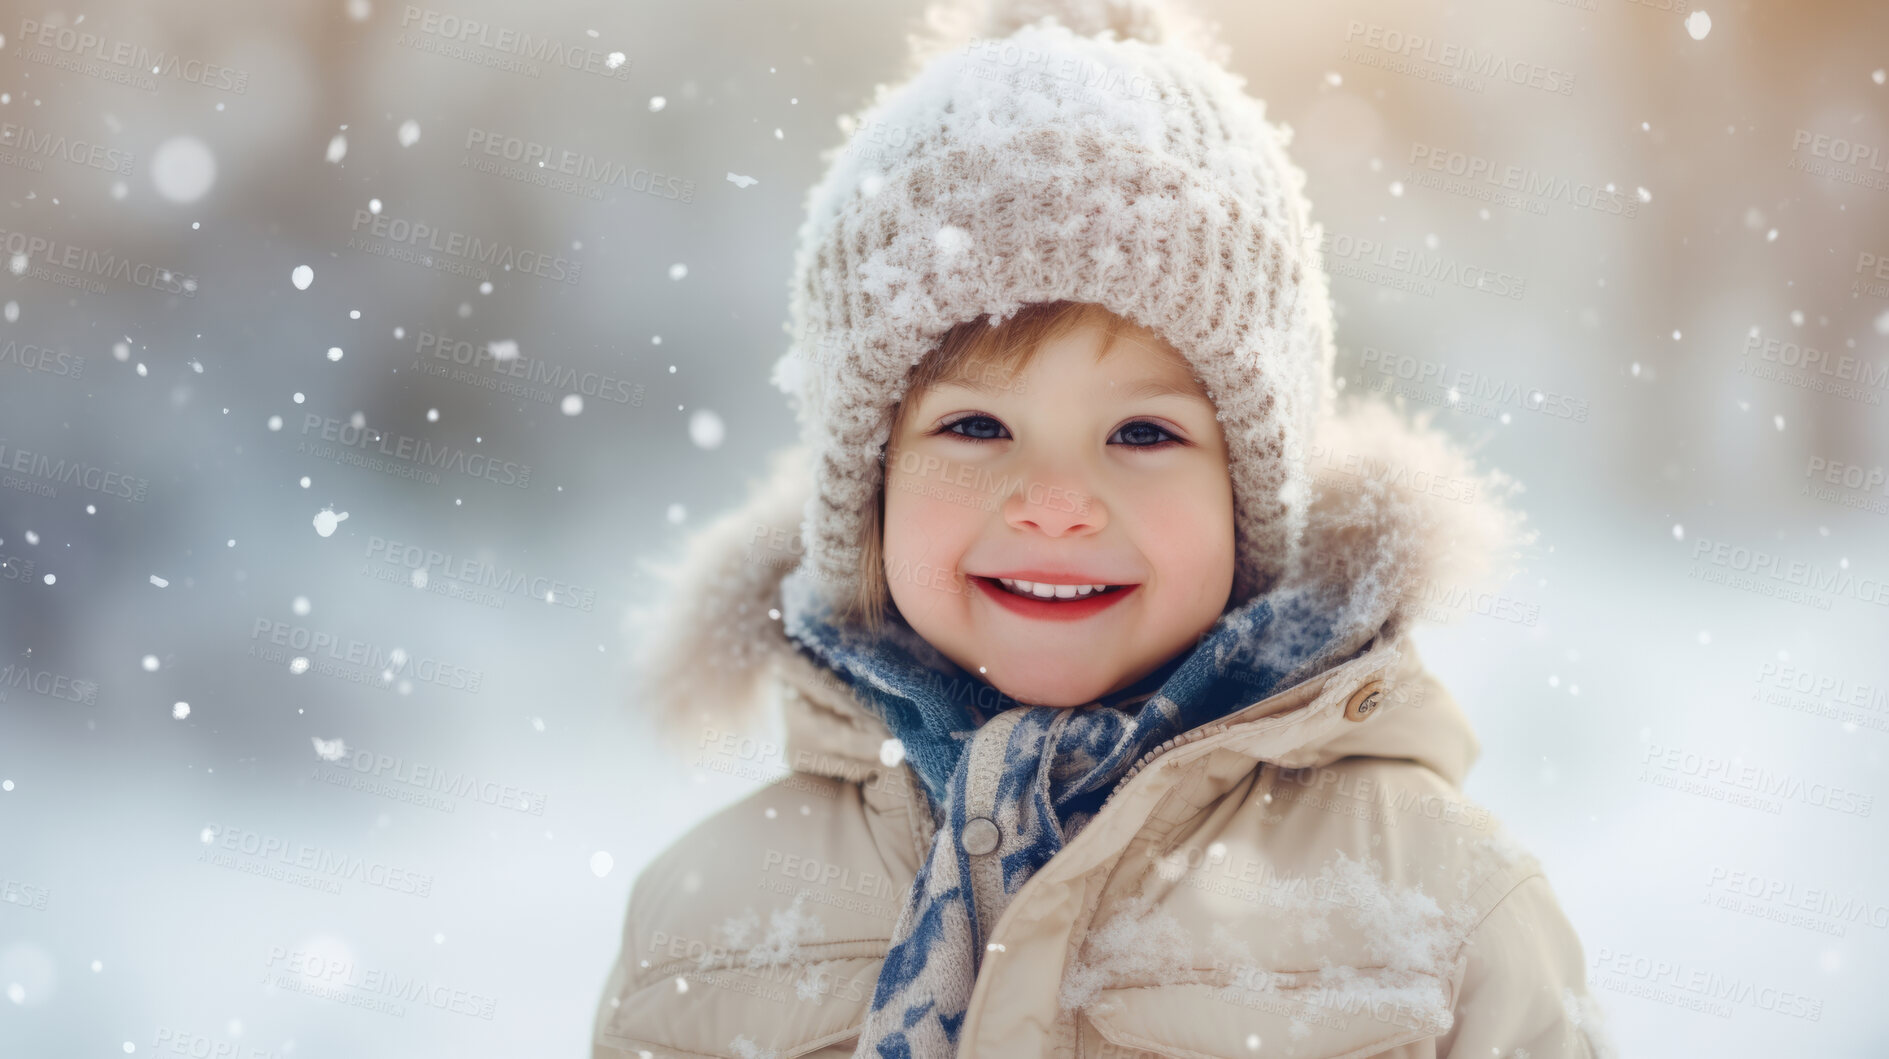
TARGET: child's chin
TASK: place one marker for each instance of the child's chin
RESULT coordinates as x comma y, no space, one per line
1050,689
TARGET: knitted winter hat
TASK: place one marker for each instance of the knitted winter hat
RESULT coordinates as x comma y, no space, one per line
1104,155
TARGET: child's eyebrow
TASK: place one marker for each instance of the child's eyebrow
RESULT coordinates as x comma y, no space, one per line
1160,388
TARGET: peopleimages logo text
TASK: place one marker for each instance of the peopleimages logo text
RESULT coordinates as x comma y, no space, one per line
26,247
534,370
481,574
469,248
456,783
538,159
40,358
85,44
1523,180
40,143
1347,255
469,31
49,684
1808,576
71,472
1476,62
418,451
367,656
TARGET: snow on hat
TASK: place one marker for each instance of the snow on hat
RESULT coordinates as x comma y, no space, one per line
1090,151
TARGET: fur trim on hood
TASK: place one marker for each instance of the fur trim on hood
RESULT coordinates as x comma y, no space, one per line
1396,509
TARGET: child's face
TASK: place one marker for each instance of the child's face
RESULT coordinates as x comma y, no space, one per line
1067,475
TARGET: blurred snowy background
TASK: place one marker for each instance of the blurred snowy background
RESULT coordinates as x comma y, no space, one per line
214,292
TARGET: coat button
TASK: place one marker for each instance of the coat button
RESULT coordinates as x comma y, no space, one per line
980,836
1364,700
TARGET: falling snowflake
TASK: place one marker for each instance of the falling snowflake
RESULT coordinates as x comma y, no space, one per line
327,519
706,429
183,168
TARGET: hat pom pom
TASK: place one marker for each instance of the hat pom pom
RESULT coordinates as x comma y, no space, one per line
951,24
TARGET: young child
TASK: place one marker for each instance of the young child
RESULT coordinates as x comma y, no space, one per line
1084,608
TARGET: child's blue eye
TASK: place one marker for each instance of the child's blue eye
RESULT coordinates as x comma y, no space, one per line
979,427
1142,434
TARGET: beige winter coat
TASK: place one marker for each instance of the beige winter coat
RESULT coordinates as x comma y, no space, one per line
1302,878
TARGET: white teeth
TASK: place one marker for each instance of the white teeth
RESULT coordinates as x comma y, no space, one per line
1045,591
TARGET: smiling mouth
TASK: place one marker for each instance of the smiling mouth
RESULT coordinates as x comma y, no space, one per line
1051,602
1050,593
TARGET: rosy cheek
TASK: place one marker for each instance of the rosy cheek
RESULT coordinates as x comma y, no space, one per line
1187,534
925,540
911,508
1176,512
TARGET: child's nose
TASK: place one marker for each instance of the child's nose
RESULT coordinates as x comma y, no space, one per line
1054,509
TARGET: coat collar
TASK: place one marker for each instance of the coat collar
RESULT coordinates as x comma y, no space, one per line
1392,502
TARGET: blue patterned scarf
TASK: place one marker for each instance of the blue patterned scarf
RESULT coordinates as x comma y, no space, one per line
1059,765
